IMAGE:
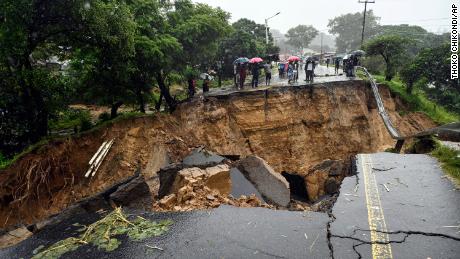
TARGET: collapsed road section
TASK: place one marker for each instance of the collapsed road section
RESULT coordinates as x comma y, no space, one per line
308,134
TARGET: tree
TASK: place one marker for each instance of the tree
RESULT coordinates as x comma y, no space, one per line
301,36
348,28
391,48
26,26
409,75
420,37
107,44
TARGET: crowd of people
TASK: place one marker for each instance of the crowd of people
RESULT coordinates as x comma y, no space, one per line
286,70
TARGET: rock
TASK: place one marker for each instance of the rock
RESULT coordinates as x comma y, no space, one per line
167,177
316,177
331,186
202,158
215,178
242,186
134,193
168,201
218,179
270,184
210,197
15,236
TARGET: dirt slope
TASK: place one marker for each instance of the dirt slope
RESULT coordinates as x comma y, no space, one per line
293,129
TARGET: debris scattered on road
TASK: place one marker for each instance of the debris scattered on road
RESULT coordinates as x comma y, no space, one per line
383,169
154,247
386,187
97,159
103,232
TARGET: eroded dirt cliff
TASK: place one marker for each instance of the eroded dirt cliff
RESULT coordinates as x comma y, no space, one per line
292,128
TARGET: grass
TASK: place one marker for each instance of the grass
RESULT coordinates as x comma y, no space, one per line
419,102
7,162
449,159
71,118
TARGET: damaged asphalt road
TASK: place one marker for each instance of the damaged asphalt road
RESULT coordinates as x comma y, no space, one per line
406,199
416,215
225,232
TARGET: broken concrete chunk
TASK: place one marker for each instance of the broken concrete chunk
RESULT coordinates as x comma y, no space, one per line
202,158
242,186
218,179
133,193
270,184
215,178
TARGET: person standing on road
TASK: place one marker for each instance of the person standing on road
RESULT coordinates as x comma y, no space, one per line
242,75
268,73
327,63
309,70
337,65
255,75
191,87
296,71
236,68
206,84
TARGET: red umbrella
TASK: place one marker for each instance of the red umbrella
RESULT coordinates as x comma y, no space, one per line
255,60
293,59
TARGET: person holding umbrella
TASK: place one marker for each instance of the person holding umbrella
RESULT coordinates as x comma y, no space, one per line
255,71
309,69
242,72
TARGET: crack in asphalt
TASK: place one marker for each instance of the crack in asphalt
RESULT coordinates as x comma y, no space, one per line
406,235
329,234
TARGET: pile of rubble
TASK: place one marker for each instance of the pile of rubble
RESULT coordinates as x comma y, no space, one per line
205,180
195,188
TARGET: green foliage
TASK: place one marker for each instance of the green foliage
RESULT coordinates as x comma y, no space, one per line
419,102
102,234
432,67
391,48
104,117
4,162
420,37
348,29
301,36
450,160
69,119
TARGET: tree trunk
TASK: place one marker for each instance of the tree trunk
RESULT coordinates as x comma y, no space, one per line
141,101
389,72
410,86
114,109
158,104
165,92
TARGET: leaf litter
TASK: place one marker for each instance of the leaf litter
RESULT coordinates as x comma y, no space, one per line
102,234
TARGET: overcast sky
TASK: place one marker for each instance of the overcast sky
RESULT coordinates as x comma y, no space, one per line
433,15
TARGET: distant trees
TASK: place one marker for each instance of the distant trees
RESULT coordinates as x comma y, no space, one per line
301,36
432,66
391,48
348,29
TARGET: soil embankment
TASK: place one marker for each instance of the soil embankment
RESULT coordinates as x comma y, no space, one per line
292,128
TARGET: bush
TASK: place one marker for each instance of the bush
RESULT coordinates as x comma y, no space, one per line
450,160
105,116
71,119
418,101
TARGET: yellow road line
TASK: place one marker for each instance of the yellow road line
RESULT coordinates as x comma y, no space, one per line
375,212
